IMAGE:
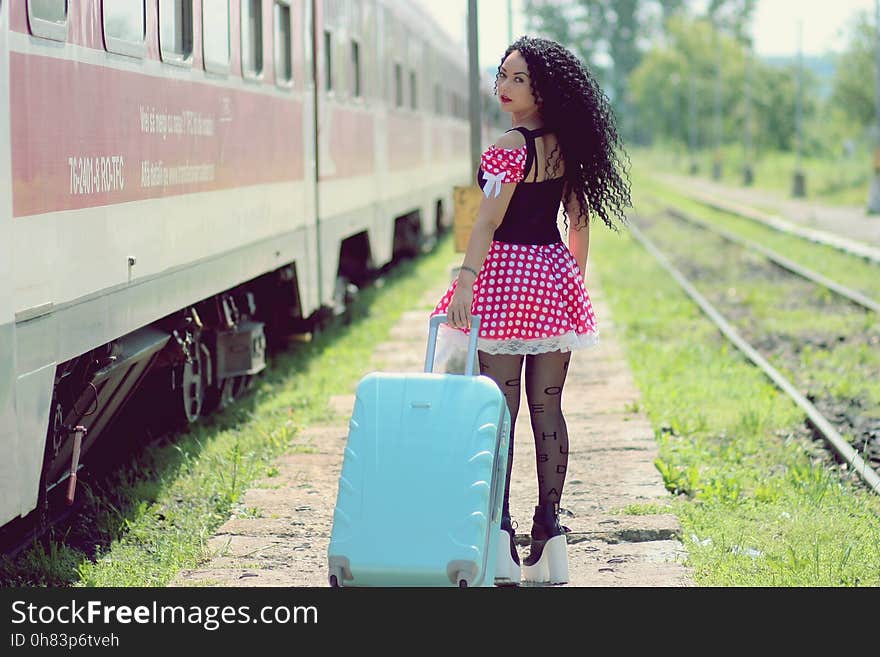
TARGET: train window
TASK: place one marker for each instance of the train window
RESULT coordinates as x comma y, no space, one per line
413,92
215,39
283,45
328,60
308,40
176,30
356,69
398,85
124,27
48,19
252,38
382,48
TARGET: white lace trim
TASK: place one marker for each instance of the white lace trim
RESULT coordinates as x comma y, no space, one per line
567,342
453,343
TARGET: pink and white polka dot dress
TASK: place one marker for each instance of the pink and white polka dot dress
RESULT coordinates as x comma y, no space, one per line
531,297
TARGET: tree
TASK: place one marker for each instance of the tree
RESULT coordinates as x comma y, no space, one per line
854,80
619,31
686,62
732,17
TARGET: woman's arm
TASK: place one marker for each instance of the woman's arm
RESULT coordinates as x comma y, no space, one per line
489,218
578,234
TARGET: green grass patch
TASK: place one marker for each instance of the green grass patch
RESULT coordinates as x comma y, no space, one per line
155,516
831,181
822,342
845,269
757,505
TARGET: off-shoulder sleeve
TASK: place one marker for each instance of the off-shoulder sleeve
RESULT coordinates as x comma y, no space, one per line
502,165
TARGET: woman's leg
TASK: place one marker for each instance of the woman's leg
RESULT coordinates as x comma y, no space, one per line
506,371
545,378
547,561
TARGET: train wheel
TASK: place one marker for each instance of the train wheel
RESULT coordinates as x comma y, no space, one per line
218,397
242,385
217,393
228,393
344,293
190,380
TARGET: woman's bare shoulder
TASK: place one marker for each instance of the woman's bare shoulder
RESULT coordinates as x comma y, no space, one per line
511,140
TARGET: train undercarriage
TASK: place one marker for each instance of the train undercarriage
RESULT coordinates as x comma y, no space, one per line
190,364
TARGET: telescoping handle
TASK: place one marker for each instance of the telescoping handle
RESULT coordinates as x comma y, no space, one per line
433,328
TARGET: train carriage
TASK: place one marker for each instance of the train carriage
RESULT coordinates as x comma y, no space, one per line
181,181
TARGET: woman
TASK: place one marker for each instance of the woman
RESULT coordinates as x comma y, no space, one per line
519,276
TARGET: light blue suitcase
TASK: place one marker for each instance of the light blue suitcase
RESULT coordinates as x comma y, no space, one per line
422,482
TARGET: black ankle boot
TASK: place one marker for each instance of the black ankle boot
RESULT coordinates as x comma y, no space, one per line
548,557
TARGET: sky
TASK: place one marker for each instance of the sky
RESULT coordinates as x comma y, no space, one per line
824,22
775,24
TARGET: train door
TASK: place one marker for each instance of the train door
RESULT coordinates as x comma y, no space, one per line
311,292
9,484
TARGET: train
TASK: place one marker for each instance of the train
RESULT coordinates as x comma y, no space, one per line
184,181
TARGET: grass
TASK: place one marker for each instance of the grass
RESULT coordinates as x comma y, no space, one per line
757,503
155,516
831,181
843,268
809,324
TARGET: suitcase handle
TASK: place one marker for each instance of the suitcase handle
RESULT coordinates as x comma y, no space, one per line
433,327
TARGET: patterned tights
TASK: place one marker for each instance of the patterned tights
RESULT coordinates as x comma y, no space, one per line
545,378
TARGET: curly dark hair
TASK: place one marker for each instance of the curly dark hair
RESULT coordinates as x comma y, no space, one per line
574,107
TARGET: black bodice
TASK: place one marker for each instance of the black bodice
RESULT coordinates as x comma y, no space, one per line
534,206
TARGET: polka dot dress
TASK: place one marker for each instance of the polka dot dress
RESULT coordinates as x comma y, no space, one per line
509,161
531,299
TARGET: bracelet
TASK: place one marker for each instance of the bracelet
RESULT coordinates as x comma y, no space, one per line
470,270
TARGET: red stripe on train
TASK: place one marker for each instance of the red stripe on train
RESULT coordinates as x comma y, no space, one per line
86,136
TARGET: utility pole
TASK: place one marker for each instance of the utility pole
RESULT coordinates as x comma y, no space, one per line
748,174
716,163
509,22
474,89
799,184
874,194
692,119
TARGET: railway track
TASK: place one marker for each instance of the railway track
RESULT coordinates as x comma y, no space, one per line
781,261
775,222
862,455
